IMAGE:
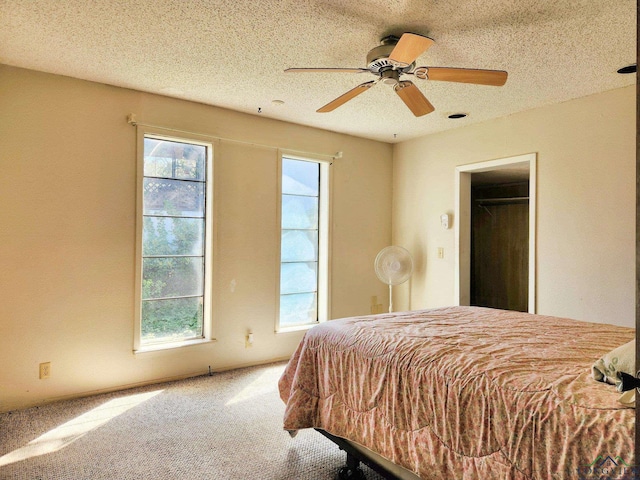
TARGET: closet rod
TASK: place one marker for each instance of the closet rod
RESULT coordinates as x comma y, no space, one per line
131,120
495,201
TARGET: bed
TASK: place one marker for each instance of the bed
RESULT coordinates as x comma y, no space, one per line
464,392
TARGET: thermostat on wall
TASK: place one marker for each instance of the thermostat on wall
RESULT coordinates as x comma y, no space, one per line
445,220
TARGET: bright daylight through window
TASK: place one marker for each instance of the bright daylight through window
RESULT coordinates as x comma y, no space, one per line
303,243
174,212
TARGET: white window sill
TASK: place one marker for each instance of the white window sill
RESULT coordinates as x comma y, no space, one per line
297,328
161,347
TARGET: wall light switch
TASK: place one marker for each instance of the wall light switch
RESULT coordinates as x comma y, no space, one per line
440,252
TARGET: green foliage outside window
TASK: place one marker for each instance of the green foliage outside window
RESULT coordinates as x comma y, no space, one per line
171,276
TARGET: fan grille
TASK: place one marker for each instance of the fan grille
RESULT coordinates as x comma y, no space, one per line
379,64
394,265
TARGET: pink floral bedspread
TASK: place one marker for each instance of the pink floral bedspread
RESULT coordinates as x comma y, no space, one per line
465,392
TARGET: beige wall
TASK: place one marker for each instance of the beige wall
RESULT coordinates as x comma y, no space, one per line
585,209
68,189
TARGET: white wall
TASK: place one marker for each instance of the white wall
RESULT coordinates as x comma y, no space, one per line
68,189
585,209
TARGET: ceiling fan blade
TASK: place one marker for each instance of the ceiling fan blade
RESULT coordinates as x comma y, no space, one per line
496,78
331,70
345,97
409,47
413,98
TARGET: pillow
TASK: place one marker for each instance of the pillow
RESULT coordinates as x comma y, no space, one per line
621,359
628,399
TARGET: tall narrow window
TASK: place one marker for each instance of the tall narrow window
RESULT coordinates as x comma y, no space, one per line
303,258
174,217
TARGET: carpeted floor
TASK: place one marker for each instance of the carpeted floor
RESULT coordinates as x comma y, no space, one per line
225,426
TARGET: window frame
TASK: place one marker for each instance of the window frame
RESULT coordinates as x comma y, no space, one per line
324,240
207,323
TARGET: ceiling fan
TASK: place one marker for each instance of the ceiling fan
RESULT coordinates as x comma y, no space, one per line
395,57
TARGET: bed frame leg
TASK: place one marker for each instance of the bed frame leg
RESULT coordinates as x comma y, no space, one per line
351,471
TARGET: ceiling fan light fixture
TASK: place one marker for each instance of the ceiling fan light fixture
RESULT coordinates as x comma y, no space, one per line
390,77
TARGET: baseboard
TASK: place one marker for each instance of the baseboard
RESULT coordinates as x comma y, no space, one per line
117,388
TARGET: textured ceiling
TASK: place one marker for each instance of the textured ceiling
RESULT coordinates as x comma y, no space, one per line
233,54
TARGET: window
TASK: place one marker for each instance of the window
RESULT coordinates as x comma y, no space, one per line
304,243
173,300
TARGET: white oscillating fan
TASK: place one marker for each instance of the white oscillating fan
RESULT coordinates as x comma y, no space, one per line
393,267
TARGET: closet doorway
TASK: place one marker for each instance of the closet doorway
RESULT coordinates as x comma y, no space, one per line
495,233
499,268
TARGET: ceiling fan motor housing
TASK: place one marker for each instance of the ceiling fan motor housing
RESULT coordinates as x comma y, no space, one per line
378,57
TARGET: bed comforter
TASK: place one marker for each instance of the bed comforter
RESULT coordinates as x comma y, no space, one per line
465,392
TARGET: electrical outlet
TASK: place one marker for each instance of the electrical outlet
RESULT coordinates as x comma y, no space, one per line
45,370
377,308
